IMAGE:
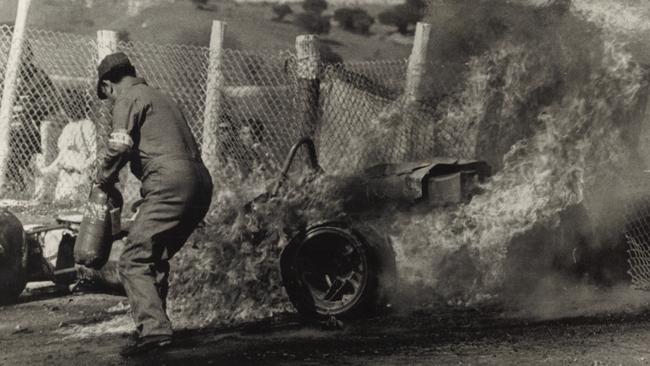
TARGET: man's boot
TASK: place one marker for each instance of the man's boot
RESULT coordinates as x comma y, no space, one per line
143,345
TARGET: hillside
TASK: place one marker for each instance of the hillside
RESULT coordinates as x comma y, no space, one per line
250,26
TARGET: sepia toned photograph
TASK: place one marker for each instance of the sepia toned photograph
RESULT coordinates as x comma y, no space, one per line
324,182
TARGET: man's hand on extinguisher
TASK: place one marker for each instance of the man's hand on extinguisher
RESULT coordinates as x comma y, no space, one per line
99,180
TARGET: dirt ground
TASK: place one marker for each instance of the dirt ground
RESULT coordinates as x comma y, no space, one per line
50,328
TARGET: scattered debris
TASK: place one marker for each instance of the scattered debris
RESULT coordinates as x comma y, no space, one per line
121,307
20,329
121,324
331,323
17,203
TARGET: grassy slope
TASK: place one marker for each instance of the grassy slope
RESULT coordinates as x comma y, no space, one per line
249,26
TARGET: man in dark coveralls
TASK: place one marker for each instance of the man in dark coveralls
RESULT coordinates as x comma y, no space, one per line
150,132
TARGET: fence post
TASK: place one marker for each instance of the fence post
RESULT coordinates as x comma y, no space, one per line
212,111
417,62
308,73
414,80
43,183
106,43
9,87
48,142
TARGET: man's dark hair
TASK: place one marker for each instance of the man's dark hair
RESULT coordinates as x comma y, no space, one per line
116,75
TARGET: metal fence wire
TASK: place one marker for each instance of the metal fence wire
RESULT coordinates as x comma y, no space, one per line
59,127
258,121
54,93
367,119
637,235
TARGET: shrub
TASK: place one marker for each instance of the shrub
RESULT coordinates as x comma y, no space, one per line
314,6
313,23
419,5
281,11
354,20
200,3
403,15
328,56
124,35
204,5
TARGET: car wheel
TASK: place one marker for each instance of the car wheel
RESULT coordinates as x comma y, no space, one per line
13,258
333,269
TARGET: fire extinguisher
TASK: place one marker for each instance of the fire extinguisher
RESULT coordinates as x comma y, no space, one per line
101,220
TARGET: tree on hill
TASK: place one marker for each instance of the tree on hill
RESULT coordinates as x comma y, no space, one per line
314,6
312,19
123,35
281,11
404,15
354,20
312,22
328,55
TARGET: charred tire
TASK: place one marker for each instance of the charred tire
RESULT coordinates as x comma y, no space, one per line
13,258
333,269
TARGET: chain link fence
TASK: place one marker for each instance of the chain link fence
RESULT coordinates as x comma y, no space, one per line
367,119
259,120
59,127
637,235
53,135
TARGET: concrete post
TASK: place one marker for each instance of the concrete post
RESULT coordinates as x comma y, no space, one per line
414,80
308,73
417,62
9,87
212,112
106,43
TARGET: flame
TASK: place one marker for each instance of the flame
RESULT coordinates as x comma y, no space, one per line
578,143
570,147
230,272
555,113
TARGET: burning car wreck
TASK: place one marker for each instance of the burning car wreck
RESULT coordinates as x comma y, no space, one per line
345,268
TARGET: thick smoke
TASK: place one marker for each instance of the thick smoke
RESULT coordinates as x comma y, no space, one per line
230,273
555,103
550,98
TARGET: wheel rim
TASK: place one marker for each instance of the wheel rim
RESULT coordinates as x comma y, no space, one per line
333,265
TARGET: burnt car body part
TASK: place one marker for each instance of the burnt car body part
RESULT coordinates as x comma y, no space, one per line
437,181
311,155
